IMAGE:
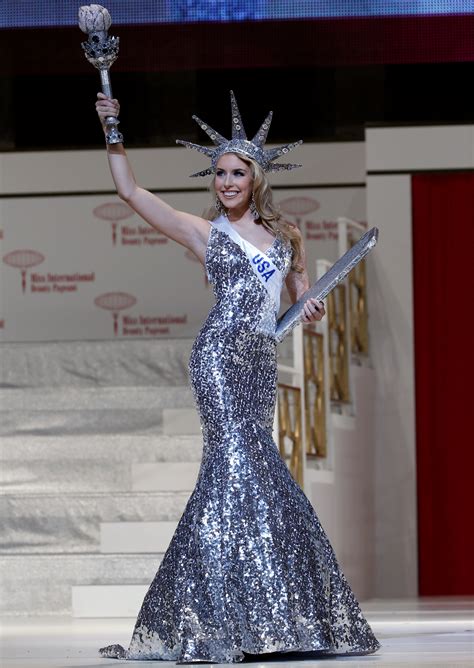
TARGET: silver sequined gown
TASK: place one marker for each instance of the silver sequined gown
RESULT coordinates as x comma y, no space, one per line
249,568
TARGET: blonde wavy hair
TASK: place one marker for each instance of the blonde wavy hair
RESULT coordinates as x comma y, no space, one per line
270,217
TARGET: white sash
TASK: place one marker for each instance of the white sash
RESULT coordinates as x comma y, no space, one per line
263,267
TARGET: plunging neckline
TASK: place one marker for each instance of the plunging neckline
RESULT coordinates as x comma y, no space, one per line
265,252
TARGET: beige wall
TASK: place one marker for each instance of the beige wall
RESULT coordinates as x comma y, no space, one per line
343,498
390,151
165,169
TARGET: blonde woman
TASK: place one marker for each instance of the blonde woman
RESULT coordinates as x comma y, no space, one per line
249,570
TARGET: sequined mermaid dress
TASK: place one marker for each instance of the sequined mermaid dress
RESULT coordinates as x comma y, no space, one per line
249,568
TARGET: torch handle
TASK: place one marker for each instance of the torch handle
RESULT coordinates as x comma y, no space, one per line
112,135
105,81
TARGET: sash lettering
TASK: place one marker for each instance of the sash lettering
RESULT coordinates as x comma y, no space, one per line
262,265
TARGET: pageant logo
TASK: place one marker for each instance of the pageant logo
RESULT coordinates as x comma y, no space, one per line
321,230
47,282
23,260
50,282
324,230
115,302
301,211
150,325
141,325
128,234
113,212
297,208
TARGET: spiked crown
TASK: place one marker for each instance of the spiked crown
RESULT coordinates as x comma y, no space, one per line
239,143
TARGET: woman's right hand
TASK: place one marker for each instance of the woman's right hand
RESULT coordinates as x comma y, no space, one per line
188,230
106,106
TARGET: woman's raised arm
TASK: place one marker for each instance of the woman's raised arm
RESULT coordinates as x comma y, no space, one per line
188,230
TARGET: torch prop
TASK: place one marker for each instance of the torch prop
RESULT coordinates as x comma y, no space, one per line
101,51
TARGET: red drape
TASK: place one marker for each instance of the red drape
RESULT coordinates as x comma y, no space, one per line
443,263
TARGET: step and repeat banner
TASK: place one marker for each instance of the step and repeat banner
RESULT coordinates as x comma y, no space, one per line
87,267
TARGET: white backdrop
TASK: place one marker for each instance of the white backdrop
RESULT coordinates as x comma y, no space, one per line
87,267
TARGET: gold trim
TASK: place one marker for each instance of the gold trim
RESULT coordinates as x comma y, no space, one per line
358,309
314,394
290,427
337,343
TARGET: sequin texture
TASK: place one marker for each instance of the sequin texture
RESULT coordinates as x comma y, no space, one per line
249,568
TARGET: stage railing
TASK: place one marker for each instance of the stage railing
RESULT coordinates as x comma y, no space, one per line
315,375
349,232
338,345
315,393
290,429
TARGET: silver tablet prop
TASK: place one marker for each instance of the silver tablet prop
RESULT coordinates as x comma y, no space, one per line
326,283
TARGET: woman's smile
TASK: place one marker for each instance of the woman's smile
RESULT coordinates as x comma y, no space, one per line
233,182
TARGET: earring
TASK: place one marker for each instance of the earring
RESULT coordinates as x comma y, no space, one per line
219,207
253,208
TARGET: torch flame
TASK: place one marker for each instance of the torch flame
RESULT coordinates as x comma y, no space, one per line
94,18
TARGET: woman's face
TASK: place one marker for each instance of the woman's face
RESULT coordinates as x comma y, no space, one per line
233,182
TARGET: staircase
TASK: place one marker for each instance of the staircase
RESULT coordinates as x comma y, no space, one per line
100,450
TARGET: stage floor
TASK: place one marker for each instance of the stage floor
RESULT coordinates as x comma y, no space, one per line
418,632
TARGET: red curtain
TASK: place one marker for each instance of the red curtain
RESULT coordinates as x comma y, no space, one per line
443,264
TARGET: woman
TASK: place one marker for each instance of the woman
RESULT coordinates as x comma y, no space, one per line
249,569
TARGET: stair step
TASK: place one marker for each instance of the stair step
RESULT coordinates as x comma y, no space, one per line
123,447
70,422
181,421
41,584
164,477
96,398
143,537
95,363
55,523
81,475
107,600
50,476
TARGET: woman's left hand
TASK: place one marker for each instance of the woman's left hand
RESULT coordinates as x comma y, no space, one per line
313,310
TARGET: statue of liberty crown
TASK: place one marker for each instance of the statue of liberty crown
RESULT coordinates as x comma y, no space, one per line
240,144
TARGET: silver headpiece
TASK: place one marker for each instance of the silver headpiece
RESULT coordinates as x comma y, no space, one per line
240,144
